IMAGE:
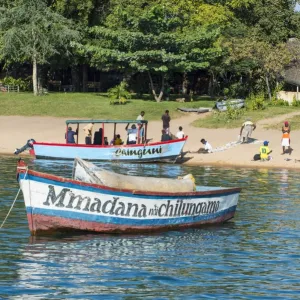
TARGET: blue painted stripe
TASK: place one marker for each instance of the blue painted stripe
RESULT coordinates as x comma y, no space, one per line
126,221
170,158
117,193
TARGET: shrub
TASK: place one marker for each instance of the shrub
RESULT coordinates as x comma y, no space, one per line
24,84
279,102
256,102
230,114
119,94
295,102
237,89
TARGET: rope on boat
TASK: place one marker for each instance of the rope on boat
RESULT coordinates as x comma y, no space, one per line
13,203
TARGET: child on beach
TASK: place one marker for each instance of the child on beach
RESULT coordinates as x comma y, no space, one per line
286,139
265,151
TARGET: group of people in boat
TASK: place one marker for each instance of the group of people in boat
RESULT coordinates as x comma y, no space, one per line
134,134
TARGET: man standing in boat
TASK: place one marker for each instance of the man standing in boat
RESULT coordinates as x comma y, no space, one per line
132,134
140,126
70,135
166,122
88,133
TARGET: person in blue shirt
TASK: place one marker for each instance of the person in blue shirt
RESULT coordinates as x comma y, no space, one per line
132,134
70,135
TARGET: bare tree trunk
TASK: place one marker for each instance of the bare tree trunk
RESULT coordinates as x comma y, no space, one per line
84,77
34,76
75,78
212,85
157,98
161,89
268,87
184,84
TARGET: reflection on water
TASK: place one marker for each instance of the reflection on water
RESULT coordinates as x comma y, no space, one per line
255,256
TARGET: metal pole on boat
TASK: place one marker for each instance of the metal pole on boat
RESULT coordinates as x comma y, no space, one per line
146,125
77,137
67,134
115,125
102,142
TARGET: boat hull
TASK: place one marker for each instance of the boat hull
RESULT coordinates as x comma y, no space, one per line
58,204
162,151
235,104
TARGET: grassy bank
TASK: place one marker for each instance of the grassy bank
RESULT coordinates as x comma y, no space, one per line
217,120
294,122
90,105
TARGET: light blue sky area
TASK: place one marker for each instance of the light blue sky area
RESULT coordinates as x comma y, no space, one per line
298,7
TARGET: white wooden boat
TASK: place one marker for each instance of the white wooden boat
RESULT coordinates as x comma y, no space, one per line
222,105
54,203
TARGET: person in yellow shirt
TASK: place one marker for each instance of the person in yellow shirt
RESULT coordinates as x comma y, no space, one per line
265,151
118,140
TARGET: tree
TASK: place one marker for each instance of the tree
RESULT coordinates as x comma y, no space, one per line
153,37
31,31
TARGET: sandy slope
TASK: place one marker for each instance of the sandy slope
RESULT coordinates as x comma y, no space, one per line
15,131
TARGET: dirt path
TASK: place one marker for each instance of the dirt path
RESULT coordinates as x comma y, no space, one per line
278,119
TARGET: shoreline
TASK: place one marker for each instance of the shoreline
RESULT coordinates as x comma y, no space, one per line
191,163
16,130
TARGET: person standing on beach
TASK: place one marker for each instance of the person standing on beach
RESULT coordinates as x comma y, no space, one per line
166,122
286,139
141,116
88,133
246,130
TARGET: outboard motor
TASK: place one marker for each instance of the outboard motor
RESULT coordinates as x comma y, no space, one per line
29,145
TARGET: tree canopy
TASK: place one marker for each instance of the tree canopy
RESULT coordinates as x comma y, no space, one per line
229,41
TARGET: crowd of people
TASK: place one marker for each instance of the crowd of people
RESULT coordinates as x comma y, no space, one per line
136,134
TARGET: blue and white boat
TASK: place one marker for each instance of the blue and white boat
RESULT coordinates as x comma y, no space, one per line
222,105
142,151
57,204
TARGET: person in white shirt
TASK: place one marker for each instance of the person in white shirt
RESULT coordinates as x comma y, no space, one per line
207,147
180,133
88,129
141,116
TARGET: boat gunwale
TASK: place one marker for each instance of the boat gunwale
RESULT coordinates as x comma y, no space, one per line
110,146
22,169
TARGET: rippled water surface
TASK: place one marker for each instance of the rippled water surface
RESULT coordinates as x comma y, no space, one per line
255,256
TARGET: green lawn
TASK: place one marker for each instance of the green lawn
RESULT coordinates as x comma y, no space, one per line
90,105
96,106
271,111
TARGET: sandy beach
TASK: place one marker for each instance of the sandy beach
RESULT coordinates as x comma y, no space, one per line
16,130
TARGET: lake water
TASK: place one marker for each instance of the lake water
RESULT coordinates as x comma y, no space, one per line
255,256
